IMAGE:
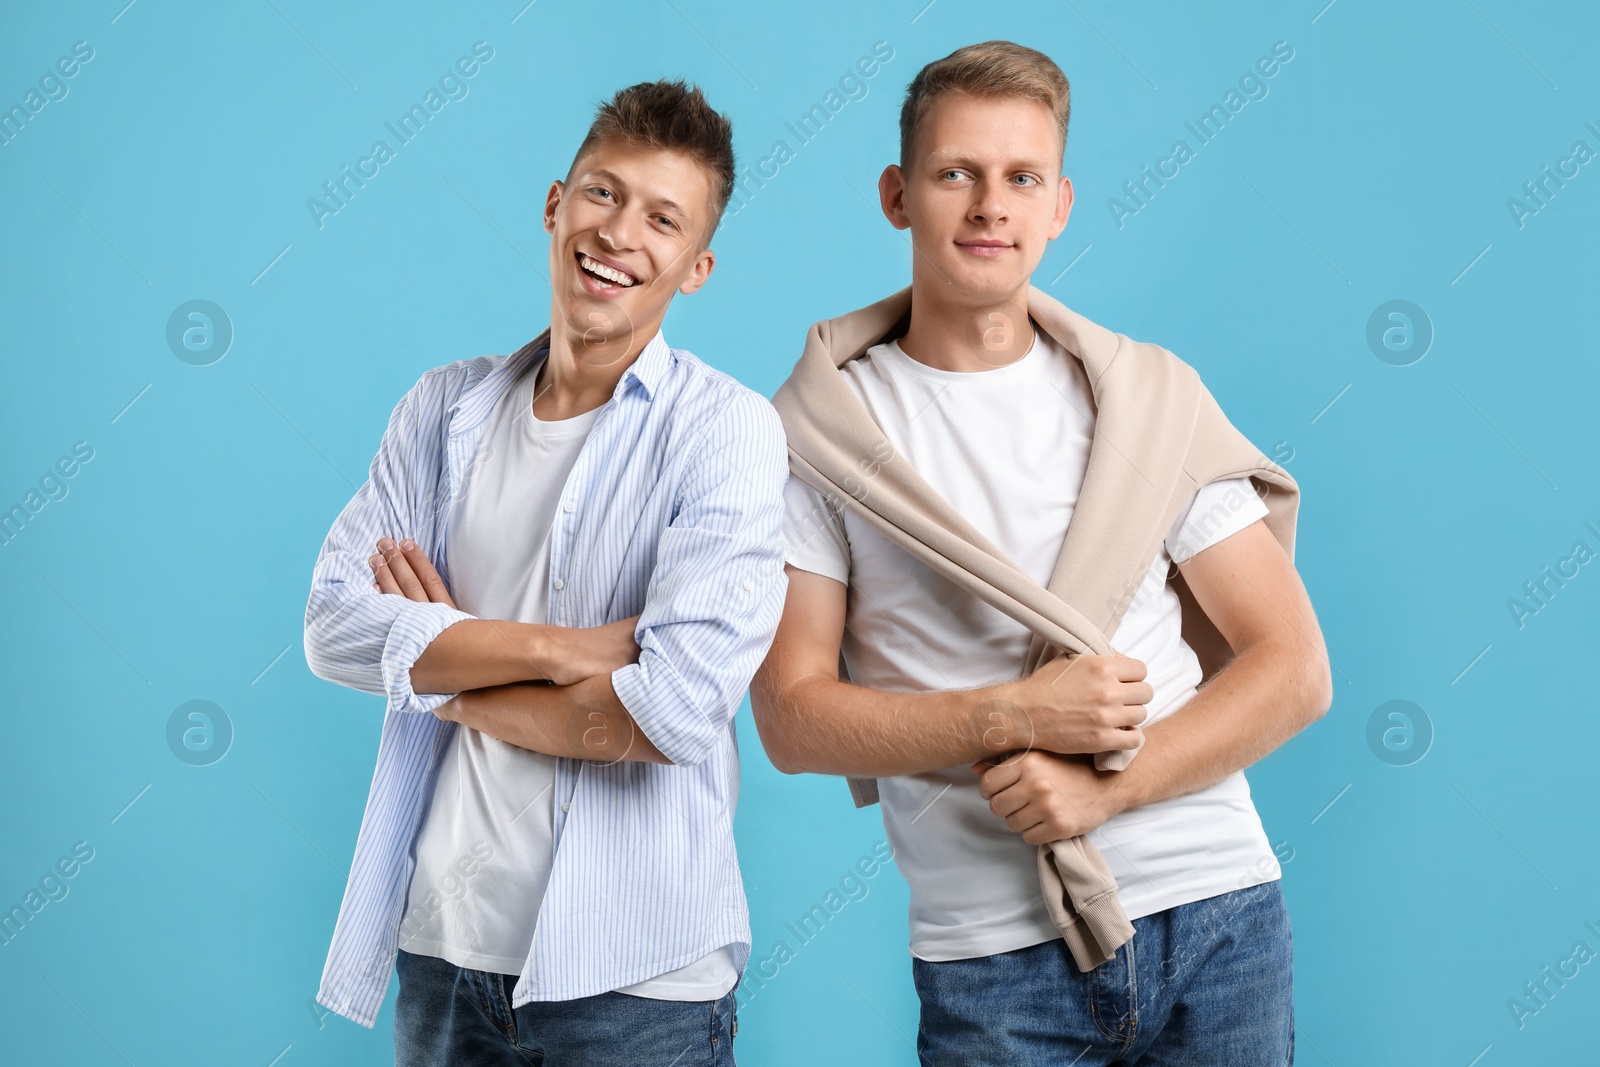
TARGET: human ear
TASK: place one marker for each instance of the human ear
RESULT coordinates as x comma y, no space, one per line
892,196
1063,207
552,201
699,273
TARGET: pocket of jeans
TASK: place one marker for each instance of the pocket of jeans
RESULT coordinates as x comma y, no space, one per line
1111,993
724,1028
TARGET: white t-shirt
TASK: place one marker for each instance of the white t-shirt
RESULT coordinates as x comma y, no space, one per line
1008,448
486,846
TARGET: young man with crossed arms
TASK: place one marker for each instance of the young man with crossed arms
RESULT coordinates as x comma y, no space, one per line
555,862
998,418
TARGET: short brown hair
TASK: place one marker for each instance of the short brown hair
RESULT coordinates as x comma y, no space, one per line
674,116
990,69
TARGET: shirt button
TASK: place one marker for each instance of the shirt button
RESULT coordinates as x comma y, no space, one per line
559,584
569,507
747,585
566,805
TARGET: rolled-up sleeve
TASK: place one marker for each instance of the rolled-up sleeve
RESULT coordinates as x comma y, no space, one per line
717,589
354,635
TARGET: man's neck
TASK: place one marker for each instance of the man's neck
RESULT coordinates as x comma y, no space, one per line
580,374
951,336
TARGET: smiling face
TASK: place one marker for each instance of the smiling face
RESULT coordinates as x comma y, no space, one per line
982,193
629,229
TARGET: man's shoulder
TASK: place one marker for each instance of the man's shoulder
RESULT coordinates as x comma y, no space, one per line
460,375
440,388
1109,344
712,390
1151,357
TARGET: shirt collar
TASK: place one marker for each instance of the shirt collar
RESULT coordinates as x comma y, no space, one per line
650,367
474,405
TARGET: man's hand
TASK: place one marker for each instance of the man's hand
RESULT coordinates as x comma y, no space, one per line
1073,704
405,569
1048,797
572,654
598,650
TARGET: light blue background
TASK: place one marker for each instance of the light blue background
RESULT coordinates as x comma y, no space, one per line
1378,167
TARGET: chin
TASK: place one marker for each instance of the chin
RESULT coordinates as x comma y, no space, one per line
574,301
581,311
984,286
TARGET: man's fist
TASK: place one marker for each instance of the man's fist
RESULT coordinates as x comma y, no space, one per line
1048,797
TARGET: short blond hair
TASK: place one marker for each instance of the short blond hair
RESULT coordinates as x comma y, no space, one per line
990,69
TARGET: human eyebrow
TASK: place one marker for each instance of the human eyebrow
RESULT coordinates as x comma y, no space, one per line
951,162
606,176
671,206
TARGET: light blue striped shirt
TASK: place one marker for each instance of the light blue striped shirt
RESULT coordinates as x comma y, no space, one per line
673,512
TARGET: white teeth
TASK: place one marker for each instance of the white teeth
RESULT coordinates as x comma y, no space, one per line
610,274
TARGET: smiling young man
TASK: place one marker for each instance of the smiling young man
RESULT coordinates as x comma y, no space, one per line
979,473
562,572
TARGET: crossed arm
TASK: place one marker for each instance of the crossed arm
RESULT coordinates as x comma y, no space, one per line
543,688
659,687
1276,684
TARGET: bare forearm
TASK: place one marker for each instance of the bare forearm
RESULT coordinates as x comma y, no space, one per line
582,721
833,727
810,721
477,653
1268,693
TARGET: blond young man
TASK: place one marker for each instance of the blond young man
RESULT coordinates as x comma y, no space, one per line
562,573
998,418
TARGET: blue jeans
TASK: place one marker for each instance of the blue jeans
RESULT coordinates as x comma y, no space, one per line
450,1015
1204,983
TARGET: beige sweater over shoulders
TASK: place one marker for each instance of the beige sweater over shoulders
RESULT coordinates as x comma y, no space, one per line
1158,436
